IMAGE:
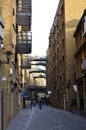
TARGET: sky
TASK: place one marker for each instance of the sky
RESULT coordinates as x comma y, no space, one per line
43,12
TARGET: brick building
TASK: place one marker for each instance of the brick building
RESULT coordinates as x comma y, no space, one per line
80,55
1,47
16,43
61,63
8,79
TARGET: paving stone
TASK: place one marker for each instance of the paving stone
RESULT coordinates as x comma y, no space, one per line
47,118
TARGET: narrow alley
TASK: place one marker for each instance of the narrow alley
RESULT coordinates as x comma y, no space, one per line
42,61
48,118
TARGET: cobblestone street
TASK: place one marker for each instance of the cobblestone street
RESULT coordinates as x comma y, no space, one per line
47,118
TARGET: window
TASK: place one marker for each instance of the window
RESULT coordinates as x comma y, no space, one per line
13,11
62,43
63,59
62,27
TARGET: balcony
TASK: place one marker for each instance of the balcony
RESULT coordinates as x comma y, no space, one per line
24,41
23,16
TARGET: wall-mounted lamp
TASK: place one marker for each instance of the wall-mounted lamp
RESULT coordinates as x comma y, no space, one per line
8,53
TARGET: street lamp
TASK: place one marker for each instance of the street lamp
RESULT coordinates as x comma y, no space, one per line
8,53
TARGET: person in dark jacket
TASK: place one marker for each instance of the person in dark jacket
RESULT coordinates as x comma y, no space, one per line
40,104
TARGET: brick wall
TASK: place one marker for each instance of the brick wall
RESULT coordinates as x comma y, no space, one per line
9,39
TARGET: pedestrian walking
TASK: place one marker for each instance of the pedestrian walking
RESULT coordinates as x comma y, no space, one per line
40,104
31,104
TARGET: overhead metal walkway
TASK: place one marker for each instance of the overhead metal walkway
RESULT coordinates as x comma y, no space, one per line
41,89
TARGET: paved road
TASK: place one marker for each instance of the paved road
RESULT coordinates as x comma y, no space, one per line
47,119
